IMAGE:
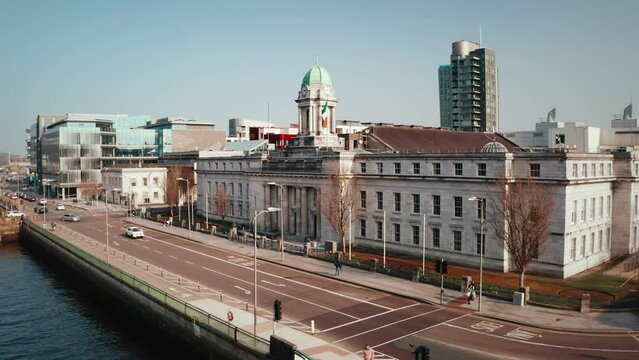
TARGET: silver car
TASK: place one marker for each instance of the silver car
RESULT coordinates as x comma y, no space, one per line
71,217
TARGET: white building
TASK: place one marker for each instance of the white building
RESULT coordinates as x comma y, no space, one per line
415,183
135,186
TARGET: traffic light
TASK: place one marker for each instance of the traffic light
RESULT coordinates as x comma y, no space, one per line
438,266
277,310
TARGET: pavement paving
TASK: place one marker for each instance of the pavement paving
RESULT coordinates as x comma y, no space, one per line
534,316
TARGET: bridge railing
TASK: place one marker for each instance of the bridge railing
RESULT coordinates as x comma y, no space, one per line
187,310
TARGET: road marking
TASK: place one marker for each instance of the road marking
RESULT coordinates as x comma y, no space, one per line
157,251
247,292
540,344
370,317
522,334
389,324
282,278
424,329
173,257
488,326
635,337
146,247
188,262
274,284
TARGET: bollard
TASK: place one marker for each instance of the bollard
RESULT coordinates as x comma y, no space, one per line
124,257
178,279
147,267
198,287
313,327
246,302
161,273
221,295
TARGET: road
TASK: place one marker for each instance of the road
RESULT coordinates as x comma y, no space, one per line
350,316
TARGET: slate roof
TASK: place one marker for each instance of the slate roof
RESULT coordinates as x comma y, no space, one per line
417,139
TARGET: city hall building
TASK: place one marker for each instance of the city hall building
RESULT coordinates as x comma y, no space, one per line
414,185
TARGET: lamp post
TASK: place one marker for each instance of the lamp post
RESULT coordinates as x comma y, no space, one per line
188,208
106,217
269,209
281,217
481,202
44,195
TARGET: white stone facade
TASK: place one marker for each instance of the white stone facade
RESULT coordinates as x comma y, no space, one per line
135,186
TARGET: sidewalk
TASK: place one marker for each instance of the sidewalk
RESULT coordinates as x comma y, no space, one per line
528,315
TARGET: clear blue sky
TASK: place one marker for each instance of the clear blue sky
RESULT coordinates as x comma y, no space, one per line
214,61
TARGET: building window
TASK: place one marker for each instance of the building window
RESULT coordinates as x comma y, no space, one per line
583,210
601,169
380,200
134,182
599,247
584,170
416,206
457,240
574,170
479,236
240,186
481,169
362,199
145,182
396,232
156,195
217,166
607,241
240,209
459,169
232,189
436,205
535,170
398,201
592,208
458,206
398,168
582,250
156,181
380,167
362,168
362,227
573,249
380,229
415,235
573,217
609,169
593,169
209,165
592,243
608,205
223,166
232,206
600,207
240,164
636,202
437,169
435,233
416,168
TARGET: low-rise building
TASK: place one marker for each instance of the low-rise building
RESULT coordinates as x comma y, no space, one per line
135,186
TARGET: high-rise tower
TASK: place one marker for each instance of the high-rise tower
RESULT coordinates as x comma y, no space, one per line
469,89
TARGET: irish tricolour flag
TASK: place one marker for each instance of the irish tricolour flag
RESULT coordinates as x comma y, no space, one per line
325,115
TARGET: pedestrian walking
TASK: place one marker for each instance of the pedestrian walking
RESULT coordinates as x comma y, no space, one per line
368,353
338,265
471,292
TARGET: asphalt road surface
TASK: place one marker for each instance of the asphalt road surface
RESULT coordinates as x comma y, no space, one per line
351,316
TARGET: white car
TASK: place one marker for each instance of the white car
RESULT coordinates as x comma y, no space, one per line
60,207
134,232
14,214
42,201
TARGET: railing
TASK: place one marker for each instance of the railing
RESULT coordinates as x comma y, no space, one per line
183,308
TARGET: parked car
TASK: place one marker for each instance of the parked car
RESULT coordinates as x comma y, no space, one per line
13,213
70,217
60,207
41,209
42,201
14,196
134,232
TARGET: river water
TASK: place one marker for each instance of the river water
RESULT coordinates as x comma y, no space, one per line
44,316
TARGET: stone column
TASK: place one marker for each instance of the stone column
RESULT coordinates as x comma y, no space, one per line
298,203
318,207
304,212
285,210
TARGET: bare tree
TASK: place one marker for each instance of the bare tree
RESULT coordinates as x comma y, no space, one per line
175,188
337,201
520,215
221,203
91,190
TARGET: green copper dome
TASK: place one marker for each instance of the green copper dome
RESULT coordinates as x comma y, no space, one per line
317,75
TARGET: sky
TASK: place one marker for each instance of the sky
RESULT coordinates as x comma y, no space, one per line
216,60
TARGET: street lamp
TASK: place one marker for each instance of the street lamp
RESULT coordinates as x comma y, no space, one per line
481,202
281,217
44,195
106,217
188,208
269,209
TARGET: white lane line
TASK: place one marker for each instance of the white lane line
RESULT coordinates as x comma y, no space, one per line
173,257
157,251
418,331
371,317
281,278
146,247
188,262
247,292
274,284
389,324
287,295
540,344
